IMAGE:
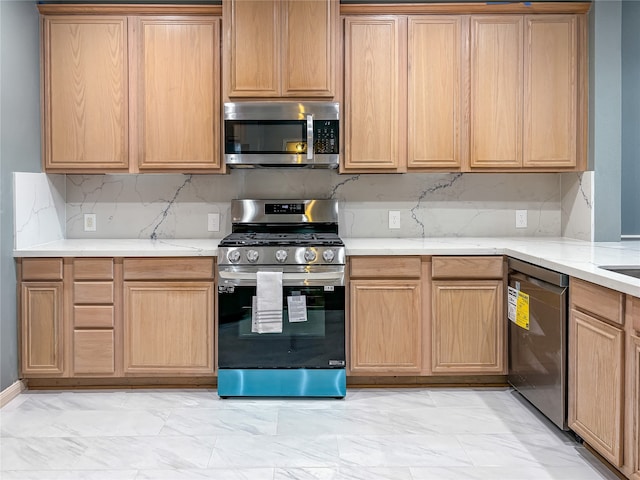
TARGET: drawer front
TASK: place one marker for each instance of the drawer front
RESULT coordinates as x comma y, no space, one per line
385,267
92,292
93,352
193,268
41,269
596,300
93,316
467,267
93,269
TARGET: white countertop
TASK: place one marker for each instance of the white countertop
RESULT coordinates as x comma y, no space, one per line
574,257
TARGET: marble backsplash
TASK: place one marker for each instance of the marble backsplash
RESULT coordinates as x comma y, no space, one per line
39,208
430,205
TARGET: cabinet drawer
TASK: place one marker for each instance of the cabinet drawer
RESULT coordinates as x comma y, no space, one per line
93,351
41,269
600,301
467,267
92,292
93,316
387,267
193,268
93,269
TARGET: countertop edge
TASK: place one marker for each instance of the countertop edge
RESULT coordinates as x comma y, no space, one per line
572,257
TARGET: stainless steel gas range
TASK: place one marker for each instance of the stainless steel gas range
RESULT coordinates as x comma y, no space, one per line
281,300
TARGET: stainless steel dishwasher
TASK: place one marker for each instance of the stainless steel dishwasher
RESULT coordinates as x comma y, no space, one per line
537,317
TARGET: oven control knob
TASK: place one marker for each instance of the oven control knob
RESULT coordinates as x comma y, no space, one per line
252,256
234,256
281,255
309,255
328,255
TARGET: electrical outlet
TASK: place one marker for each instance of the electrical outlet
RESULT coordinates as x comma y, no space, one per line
213,222
394,219
89,222
521,219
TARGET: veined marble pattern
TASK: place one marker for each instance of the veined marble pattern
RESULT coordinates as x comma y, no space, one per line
431,205
577,205
390,434
38,208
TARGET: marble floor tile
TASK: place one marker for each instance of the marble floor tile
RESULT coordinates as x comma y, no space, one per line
69,475
251,420
343,473
153,452
210,473
367,421
275,451
378,433
401,450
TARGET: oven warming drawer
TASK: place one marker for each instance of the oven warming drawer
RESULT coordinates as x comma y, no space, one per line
299,382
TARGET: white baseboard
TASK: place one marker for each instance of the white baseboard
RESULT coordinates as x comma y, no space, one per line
12,392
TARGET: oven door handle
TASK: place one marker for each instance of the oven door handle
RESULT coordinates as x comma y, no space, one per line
335,278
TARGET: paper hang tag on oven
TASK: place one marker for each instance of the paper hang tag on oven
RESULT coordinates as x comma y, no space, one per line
297,308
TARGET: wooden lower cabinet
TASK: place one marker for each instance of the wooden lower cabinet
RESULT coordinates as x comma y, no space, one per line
634,394
385,326
596,384
467,327
168,327
42,329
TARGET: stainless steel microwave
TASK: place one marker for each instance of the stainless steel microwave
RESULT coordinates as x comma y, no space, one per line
282,134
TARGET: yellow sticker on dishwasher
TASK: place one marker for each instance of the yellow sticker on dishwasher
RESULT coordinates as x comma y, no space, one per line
522,310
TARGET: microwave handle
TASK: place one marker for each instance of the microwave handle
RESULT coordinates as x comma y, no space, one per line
310,137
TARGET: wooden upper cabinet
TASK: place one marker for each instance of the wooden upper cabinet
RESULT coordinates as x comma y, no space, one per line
178,99
550,89
280,48
85,93
436,59
375,77
137,92
496,91
528,84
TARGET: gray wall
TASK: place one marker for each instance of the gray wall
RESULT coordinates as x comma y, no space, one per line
605,116
19,151
630,118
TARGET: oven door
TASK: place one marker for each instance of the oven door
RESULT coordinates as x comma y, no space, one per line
315,342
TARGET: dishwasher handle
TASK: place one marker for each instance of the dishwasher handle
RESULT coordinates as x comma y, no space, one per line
549,276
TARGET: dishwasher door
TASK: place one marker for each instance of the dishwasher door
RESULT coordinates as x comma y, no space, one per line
538,355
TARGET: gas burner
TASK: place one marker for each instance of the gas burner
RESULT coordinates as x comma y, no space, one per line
263,235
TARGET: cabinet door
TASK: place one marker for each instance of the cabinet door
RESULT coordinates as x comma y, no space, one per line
374,76
308,47
85,93
385,326
467,327
496,91
168,327
550,91
252,52
178,93
436,58
634,358
596,384
41,320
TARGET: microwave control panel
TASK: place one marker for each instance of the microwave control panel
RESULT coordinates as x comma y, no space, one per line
325,133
